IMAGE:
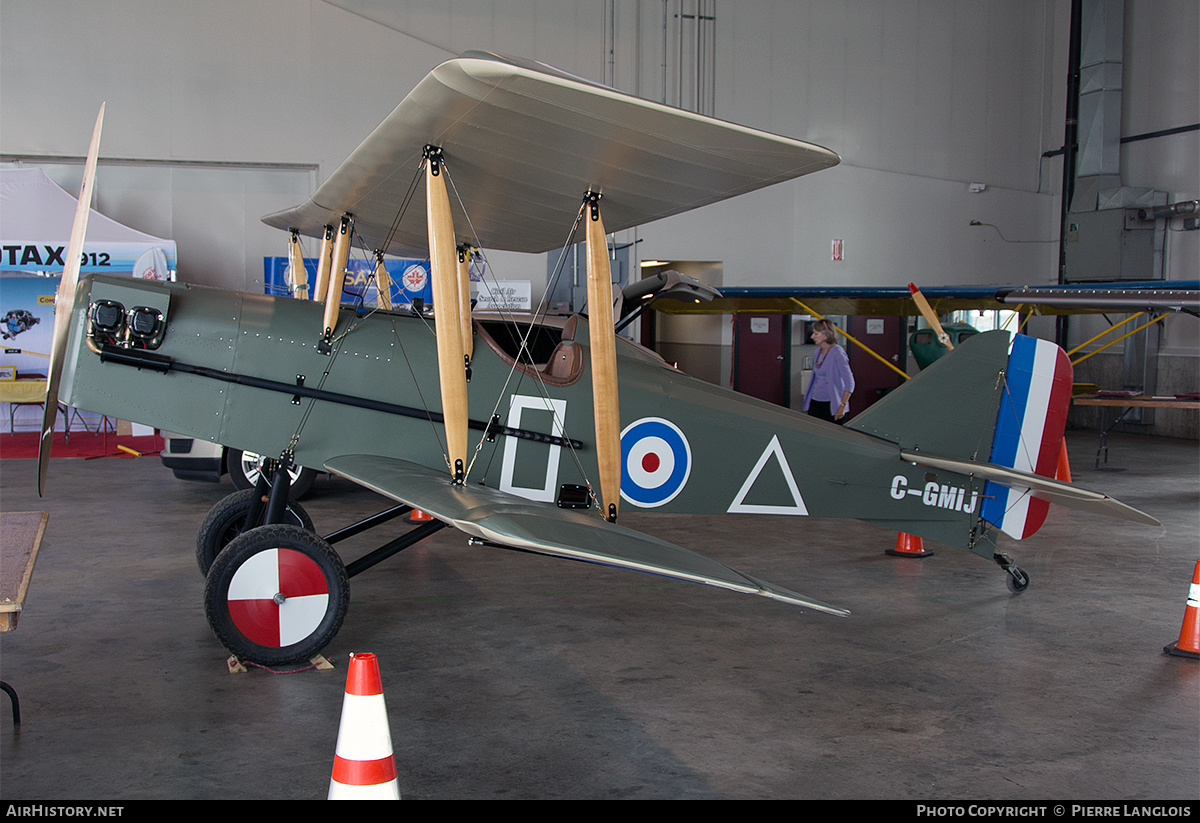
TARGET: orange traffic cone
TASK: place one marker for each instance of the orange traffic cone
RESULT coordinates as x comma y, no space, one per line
1064,465
1188,644
908,545
419,516
363,765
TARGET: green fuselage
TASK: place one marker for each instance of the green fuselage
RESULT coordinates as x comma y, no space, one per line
227,362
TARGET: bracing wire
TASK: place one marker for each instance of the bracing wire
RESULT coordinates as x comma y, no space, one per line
337,341
524,354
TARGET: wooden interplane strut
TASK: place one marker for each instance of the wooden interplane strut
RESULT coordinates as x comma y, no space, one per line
297,273
337,279
604,359
447,321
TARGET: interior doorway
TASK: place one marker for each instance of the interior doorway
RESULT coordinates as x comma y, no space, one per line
887,337
762,356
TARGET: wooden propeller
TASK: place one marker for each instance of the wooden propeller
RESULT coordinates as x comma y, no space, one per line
64,301
930,316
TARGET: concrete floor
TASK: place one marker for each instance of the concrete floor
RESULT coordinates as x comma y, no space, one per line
515,676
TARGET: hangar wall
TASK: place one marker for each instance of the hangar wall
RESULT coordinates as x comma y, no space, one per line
221,111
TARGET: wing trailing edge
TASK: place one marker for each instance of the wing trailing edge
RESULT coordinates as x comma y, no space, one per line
498,517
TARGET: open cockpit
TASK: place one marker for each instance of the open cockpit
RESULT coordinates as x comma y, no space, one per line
550,350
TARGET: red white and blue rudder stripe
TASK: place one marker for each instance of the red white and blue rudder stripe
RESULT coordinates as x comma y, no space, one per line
1029,431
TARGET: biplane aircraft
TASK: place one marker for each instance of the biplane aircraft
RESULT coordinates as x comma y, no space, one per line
1076,298
527,431
1156,299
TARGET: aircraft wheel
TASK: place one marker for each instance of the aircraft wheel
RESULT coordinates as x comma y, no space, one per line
227,520
1017,580
245,466
276,595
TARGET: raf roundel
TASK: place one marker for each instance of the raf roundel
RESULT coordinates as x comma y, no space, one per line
655,462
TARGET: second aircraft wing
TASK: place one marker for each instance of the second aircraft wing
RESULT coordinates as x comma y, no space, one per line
505,519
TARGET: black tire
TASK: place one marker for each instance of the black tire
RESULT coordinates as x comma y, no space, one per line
276,595
244,467
1017,580
227,520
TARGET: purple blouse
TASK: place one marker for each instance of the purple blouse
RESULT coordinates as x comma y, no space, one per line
831,377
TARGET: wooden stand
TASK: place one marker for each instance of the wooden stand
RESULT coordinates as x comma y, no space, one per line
1126,403
20,539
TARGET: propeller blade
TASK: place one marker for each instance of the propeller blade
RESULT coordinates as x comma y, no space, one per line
64,301
930,316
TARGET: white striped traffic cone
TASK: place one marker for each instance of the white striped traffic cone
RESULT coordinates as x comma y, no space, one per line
363,765
1188,644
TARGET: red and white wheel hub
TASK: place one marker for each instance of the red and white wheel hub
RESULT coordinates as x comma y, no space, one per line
278,597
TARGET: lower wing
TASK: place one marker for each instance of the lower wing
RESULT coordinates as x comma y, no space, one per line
514,522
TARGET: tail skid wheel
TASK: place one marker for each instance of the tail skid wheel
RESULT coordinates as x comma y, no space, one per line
226,520
276,595
1017,579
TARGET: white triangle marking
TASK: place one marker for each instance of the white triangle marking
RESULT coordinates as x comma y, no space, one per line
739,506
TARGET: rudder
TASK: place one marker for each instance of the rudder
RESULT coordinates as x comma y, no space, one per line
1029,431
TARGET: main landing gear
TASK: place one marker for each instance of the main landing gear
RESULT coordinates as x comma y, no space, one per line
275,591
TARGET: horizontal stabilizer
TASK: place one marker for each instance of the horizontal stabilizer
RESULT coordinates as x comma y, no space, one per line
1041,488
498,517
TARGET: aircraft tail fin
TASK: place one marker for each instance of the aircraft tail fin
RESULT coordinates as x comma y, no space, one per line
950,408
1029,431
996,399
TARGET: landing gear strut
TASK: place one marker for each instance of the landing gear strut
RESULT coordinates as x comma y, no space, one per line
277,593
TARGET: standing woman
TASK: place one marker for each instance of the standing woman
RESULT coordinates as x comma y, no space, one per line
828,393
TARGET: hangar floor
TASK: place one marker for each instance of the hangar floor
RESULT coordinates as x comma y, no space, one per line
517,676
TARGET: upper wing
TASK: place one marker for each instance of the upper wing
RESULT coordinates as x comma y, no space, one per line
502,518
524,142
